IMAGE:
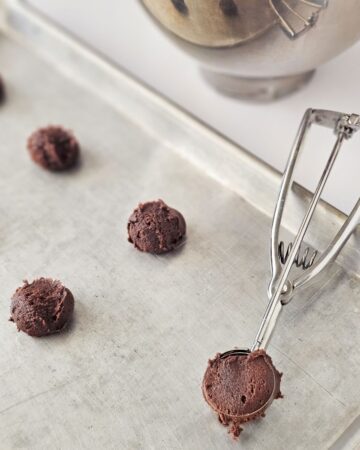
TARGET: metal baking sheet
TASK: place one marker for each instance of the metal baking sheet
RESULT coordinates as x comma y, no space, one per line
127,373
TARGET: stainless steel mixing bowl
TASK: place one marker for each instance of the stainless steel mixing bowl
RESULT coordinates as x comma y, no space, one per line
259,49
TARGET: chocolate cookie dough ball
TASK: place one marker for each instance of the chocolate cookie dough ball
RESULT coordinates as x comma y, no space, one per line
154,227
2,90
42,307
54,148
239,388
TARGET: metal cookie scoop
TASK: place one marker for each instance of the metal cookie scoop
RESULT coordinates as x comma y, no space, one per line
281,288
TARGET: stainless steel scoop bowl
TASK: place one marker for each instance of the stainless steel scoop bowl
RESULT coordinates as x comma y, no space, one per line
259,49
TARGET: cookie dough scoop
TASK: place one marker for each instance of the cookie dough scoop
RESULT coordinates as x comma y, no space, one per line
241,384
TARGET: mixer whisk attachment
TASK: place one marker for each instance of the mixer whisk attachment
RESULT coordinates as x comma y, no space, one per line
303,260
297,16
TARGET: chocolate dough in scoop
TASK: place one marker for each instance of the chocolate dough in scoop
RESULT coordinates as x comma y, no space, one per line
240,387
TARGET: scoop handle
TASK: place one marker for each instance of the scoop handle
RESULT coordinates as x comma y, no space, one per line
274,306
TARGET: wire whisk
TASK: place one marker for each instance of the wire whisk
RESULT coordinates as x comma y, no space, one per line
297,17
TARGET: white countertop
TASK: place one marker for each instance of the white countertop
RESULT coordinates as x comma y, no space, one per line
123,32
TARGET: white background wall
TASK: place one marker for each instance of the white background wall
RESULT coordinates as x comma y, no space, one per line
121,30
